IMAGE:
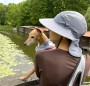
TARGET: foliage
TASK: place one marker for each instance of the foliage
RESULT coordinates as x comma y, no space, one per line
12,15
87,16
29,12
25,13
3,10
38,10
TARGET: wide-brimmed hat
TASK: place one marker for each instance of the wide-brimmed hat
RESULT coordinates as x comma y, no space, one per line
70,24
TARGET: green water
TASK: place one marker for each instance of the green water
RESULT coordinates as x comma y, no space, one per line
19,39
14,56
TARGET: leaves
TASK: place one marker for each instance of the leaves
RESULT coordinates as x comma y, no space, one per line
87,16
30,11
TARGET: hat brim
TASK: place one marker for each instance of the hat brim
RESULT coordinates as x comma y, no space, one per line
59,29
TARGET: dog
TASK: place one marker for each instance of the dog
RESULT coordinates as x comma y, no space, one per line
37,35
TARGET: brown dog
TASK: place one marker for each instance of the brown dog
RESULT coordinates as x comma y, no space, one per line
36,35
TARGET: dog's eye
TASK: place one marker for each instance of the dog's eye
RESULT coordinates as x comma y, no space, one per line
32,36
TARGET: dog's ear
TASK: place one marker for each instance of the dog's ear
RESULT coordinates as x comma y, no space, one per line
39,29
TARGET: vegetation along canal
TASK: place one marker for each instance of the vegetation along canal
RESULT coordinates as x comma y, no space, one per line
14,56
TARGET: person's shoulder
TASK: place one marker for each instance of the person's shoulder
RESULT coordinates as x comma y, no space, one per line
39,54
44,52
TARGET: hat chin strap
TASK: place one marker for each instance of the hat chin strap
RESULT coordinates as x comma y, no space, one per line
74,49
59,42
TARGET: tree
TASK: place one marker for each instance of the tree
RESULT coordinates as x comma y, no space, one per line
30,11
2,13
87,16
49,8
38,10
12,15
25,12
75,5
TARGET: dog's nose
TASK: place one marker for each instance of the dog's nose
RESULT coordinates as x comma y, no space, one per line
24,43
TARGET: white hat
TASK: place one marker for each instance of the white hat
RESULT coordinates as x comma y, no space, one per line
69,24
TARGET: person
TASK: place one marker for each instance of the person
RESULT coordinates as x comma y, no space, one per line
56,67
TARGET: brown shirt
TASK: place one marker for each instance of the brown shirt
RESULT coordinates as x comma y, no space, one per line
55,67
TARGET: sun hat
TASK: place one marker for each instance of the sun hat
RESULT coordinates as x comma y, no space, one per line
69,24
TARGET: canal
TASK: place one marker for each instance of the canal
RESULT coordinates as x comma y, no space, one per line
14,56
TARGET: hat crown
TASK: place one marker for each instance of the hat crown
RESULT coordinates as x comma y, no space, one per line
73,21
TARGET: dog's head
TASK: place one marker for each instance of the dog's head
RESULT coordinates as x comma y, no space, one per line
34,36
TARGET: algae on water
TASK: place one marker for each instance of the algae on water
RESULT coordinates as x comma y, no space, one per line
8,54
